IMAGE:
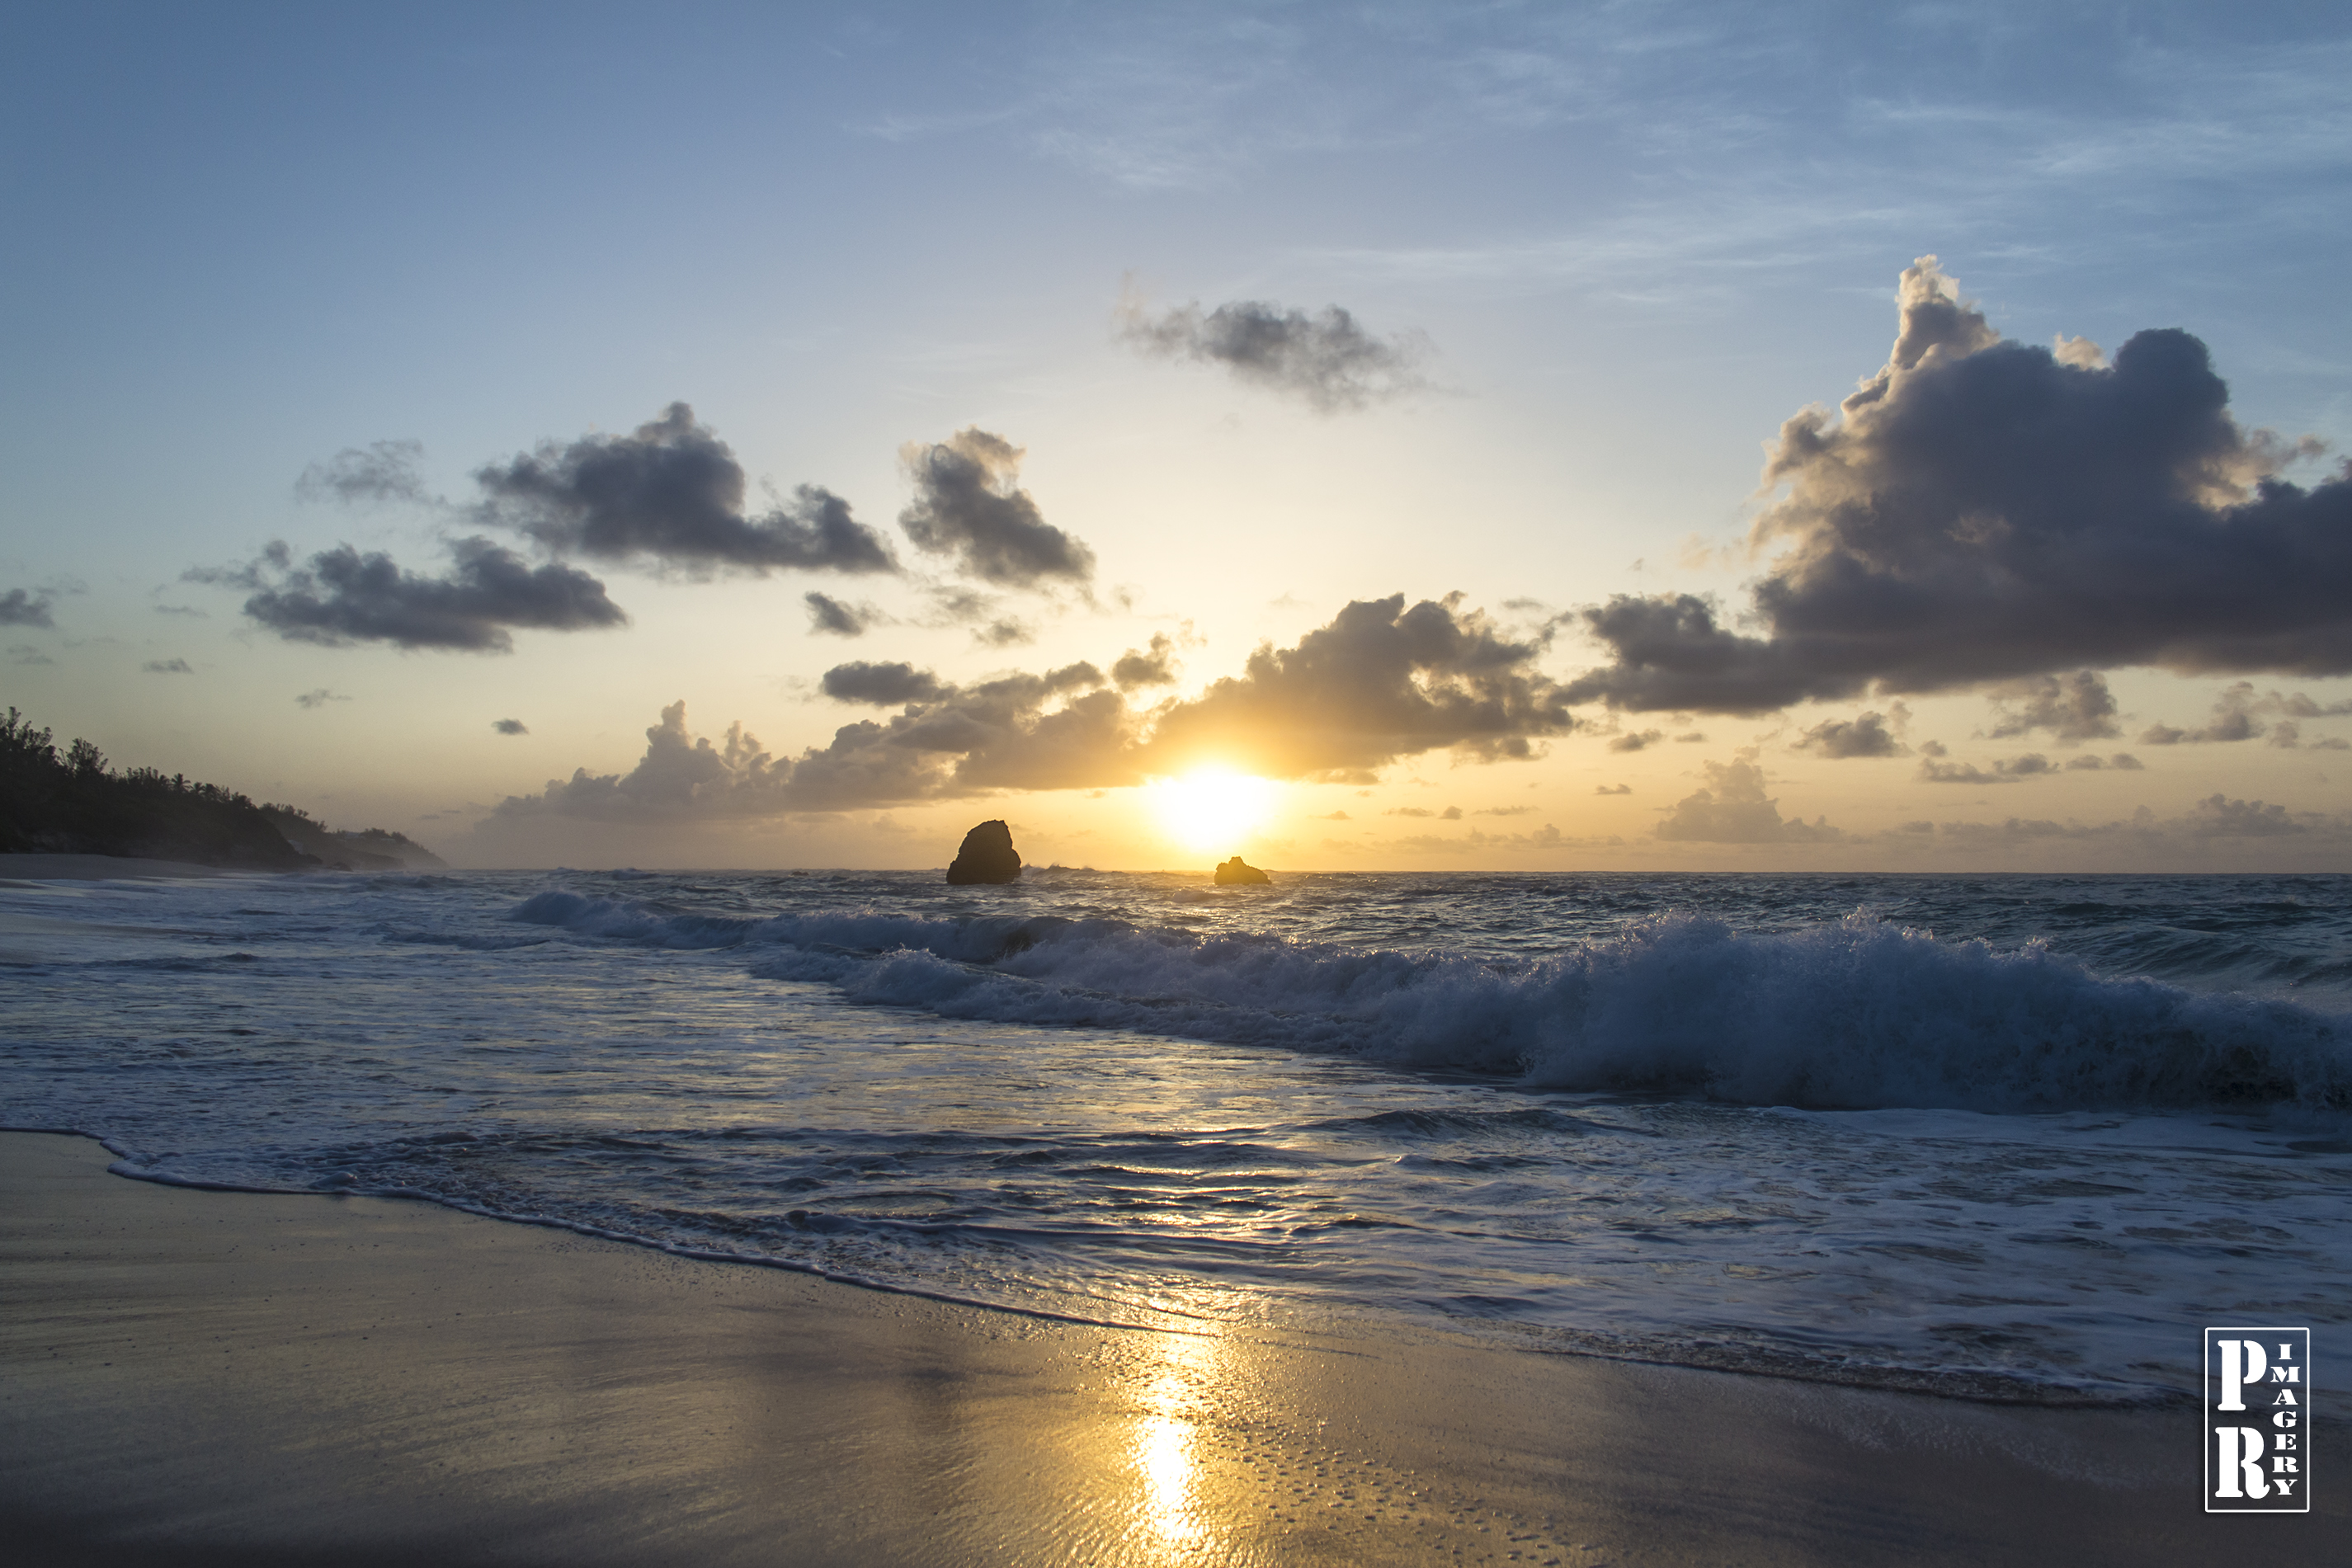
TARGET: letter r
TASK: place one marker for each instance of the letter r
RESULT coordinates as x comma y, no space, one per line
2241,1456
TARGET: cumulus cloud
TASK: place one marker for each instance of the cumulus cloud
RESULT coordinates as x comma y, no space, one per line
884,685
1864,735
383,471
168,667
510,727
2090,761
1613,789
673,493
1152,666
342,597
2071,708
1379,683
1989,511
1732,809
19,608
969,506
1326,358
2010,770
2236,711
1637,741
838,618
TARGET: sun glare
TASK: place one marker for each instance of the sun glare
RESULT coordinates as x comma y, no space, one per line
1211,809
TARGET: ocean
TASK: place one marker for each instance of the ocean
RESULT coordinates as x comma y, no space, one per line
1997,1137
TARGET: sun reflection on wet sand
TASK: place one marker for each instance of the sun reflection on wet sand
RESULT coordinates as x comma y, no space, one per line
1164,1439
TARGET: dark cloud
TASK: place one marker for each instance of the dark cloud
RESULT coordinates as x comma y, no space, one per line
18,608
838,618
2090,761
1011,632
1864,735
2071,707
1154,667
1992,511
1379,683
968,505
318,697
884,685
1732,809
1637,741
168,667
2219,817
672,492
383,471
510,727
1326,358
2010,770
343,596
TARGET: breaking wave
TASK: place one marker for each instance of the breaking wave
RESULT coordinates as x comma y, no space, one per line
1854,1014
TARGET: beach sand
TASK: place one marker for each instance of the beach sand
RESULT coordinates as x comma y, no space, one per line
195,1377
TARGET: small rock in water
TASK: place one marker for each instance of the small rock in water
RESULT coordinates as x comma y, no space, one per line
1238,869
987,856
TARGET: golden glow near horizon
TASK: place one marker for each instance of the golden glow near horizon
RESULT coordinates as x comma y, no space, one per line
1211,809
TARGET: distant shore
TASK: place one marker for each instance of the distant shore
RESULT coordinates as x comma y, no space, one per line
102,868
203,1377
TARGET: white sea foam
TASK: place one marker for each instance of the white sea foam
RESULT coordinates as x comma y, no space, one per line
1860,1013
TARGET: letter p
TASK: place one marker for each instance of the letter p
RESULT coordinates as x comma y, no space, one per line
2242,1365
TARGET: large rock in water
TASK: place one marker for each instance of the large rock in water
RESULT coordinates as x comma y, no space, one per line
987,856
1238,869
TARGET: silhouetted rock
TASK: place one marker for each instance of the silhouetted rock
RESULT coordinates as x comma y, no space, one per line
987,856
1238,869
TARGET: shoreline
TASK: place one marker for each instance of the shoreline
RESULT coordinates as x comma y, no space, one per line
193,1376
118,868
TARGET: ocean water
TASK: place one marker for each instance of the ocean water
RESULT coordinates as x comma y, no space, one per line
2006,1137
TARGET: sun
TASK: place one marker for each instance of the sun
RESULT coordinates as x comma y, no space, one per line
1211,809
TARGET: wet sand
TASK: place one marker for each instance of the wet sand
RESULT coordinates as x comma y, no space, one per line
198,1378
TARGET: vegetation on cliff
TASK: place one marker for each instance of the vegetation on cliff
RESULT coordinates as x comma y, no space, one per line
72,802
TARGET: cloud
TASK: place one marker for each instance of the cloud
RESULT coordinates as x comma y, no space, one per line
26,654
1636,740
1613,789
968,505
2090,761
838,618
510,727
1326,358
2218,816
18,608
1864,735
318,697
343,596
1732,809
1409,811
672,492
1379,683
2012,770
383,471
884,685
1504,811
1985,511
1155,666
168,667
2073,708
1332,817
2235,710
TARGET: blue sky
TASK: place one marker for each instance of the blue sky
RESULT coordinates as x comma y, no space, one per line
1619,246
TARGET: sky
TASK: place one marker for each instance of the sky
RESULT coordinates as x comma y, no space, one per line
1358,437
